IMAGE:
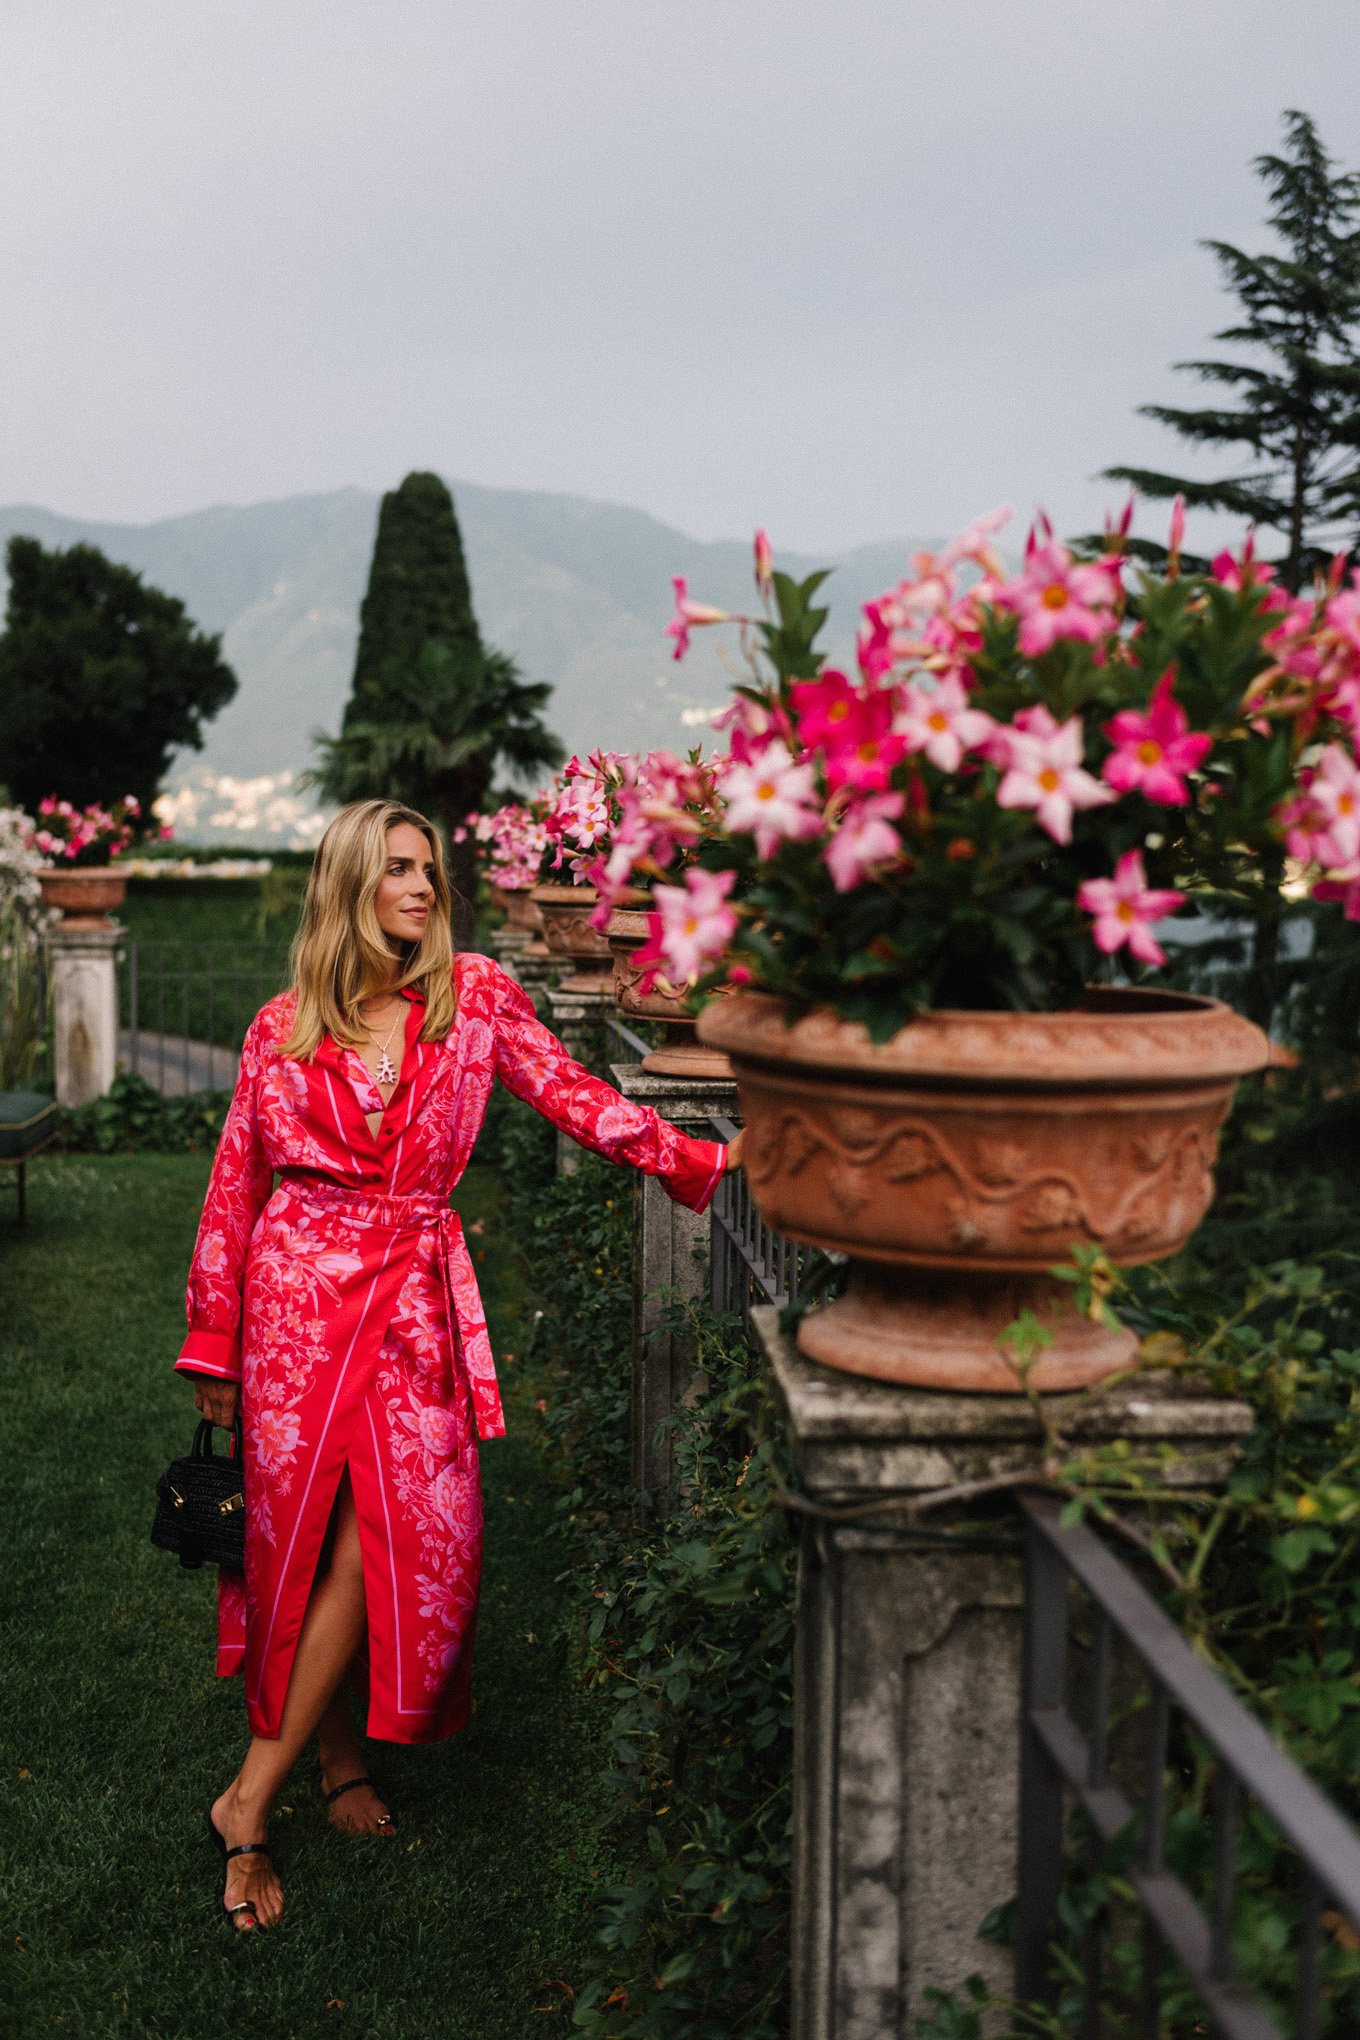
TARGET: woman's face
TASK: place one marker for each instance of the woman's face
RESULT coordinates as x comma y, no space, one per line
405,898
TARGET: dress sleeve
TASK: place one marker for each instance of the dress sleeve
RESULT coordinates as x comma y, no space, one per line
237,1193
533,1064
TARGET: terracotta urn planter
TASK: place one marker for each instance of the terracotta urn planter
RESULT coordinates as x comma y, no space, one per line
566,912
684,1055
959,1162
85,896
521,914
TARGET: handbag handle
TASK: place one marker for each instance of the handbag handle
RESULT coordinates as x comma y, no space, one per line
202,1445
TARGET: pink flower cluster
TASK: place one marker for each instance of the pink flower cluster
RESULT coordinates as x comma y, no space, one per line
580,817
65,831
665,804
1322,826
516,841
823,763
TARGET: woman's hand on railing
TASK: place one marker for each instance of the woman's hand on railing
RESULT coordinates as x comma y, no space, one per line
734,1150
217,1400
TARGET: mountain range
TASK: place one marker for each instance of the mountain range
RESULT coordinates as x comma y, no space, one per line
578,592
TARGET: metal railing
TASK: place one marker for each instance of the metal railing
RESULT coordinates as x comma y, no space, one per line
1058,1759
185,1008
749,1262
634,1043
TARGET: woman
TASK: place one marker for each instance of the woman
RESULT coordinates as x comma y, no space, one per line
340,1315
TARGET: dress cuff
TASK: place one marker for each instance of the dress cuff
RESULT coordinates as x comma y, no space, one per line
700,1170
212,1353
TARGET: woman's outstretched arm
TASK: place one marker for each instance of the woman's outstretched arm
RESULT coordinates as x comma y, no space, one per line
531,1062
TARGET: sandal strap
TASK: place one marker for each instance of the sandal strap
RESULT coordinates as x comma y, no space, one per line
248,1849
246,1905
348,1786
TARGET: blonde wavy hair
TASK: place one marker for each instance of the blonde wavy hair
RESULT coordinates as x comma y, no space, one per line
342,957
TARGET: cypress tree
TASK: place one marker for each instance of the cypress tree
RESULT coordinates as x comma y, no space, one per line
418,590
433,710
1299,414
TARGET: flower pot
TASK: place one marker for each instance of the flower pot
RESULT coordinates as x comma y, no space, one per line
83,897
566,912
521,915
683,1055
959,1162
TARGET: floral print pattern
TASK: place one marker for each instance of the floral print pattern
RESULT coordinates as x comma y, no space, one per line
345,1303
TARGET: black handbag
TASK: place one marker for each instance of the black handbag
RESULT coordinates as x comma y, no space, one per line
201,1505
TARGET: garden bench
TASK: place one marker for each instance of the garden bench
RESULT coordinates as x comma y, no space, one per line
28,1124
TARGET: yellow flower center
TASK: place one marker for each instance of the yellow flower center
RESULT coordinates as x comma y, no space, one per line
1049,780
1346,805
838,711
766,792
1125,911
938,721
1055,596
867,753
1148,752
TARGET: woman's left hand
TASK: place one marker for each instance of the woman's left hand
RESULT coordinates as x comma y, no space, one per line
734,1150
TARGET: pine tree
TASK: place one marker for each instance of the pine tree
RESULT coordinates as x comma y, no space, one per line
1299,413
433,711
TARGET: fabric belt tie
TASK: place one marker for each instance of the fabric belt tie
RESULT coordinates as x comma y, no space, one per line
462,1298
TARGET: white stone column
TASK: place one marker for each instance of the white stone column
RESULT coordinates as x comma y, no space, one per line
83,976
907,1674
665,1239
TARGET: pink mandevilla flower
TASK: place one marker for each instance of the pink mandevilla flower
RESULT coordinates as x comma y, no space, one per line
1154,751
865,839
1043,768
1124,906
1055,599
1322,824
772,799
692,927
853,727
939,722
689,614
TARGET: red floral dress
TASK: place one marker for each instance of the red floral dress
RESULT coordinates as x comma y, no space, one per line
346,1306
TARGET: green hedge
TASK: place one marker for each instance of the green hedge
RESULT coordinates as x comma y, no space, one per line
134,1119
684,1621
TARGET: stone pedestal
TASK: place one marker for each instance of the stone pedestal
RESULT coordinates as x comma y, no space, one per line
907,1676
507,945
577,1019
665,1240
83,976
536,968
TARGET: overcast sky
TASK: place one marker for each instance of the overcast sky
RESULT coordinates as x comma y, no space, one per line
848,268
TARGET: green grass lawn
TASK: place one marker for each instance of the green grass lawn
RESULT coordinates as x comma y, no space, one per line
115,1735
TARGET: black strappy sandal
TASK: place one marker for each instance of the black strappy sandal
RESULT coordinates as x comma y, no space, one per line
246,1904
386,1825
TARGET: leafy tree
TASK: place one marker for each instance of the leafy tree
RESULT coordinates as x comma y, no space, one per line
1299,413
433,710
101,678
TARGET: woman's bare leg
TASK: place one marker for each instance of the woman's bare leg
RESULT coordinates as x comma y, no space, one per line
330,1635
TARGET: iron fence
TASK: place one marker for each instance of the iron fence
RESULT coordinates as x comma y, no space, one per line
749,1262
185,1008
1057,1759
